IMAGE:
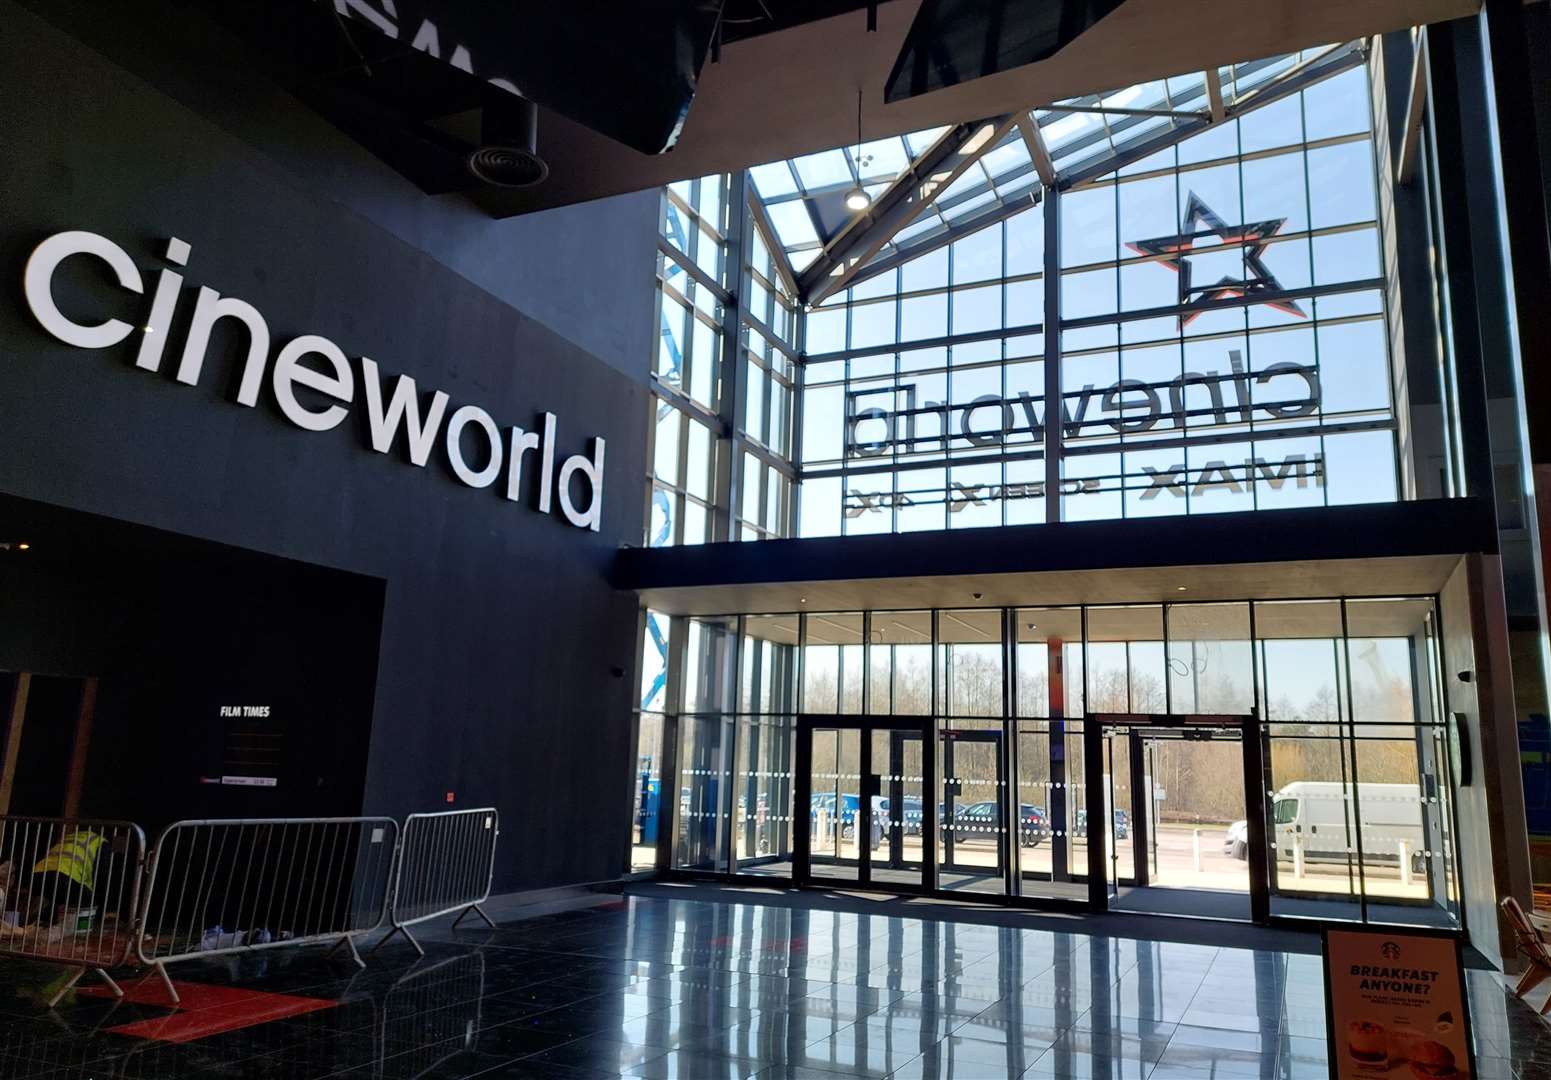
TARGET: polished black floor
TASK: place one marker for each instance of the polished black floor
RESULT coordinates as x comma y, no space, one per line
652,987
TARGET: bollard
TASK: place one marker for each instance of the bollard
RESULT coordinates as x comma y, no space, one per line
1298,857
1405,861
1195,846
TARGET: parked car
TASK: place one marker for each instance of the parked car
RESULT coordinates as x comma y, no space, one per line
911,816
1122,824
1034,825
910,821
826,801
984,818
974,820
1235,842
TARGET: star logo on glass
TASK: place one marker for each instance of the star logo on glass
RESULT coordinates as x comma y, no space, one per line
1253,237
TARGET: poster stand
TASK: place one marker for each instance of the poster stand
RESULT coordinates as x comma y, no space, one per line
1395,1005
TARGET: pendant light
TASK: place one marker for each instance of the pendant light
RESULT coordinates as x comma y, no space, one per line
857,198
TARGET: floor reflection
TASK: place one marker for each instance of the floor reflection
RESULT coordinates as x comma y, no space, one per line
648,987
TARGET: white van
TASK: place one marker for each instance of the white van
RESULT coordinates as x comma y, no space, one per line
1318,816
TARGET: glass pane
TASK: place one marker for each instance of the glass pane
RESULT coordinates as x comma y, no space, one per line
1069,804
654,663
1046,637
700,464
769,664
1120,842
898,777
709,661
1049,687
969,663
703,768
832,663
1125,659
666,442
899,664
762,823
659,528
832,812
1401,764
973,838
1209,659
1308,784
646,807
1034,829
1194,801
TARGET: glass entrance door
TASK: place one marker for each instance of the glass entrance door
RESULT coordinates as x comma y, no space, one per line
834,803
864,781
1188,823
1174,804
898,829
974,810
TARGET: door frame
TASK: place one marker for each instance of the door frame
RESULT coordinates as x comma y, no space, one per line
897,832
802,795
997,739
1247,727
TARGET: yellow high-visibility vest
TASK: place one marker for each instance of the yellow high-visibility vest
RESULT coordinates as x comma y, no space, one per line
75,857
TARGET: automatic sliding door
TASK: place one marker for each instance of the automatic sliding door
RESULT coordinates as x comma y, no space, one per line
1189,822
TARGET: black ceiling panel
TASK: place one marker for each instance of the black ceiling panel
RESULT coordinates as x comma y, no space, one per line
955,41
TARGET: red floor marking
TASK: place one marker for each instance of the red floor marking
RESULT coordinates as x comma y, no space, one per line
194,995
207,1010
182,1027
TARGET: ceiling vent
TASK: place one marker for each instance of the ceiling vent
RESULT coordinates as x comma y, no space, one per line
508,153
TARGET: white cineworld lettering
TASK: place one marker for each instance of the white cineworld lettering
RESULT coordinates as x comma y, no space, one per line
320,368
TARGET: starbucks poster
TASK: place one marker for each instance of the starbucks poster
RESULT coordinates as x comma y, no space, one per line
1395,1006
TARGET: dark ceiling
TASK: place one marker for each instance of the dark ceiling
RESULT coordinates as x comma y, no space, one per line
682,88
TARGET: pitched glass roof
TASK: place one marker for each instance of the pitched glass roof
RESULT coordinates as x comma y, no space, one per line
1084,136
805,197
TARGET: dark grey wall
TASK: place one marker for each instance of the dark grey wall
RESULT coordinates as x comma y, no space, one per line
500,632
586,272
172,629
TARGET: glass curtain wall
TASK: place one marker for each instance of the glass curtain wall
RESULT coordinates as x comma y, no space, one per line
1221,343
693,292
1346,722
769,373
724,374
1359,788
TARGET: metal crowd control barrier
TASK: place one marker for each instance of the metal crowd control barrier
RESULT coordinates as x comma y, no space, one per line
71,889
446,862
240,885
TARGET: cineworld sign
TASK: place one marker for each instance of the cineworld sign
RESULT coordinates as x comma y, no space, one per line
1130,406
320,368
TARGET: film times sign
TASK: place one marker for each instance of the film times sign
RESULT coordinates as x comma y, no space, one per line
1127,407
